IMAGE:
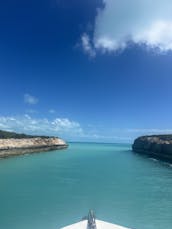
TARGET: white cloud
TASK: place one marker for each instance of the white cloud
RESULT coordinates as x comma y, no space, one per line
86,44
62,127
72,130
30,99
158,35
120,22
27,124
65,123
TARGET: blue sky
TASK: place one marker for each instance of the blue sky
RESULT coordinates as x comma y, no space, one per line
86,70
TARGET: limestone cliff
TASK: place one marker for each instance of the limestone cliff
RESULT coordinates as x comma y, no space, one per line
23,144
157,146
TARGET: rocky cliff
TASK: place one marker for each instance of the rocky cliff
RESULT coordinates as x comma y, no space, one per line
157,146
23,144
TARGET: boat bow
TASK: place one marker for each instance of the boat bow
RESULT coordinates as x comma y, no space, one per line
90,222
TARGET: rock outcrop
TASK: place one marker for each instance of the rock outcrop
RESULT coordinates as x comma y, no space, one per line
157,146
28,144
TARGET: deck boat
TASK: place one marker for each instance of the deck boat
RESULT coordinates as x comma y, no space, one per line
90,222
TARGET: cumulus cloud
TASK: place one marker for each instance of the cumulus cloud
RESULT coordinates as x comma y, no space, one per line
87,46
72,130
27,124
122,22
30,99
62,127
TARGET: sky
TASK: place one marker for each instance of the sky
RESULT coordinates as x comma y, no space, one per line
95,70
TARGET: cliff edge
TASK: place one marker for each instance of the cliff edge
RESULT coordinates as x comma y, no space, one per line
17,144
157,146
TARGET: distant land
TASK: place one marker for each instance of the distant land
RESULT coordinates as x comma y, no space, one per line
156,146
12,143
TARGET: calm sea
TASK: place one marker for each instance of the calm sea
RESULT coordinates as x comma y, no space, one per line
54,189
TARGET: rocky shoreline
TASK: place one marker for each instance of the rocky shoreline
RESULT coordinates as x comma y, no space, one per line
156,146
15,146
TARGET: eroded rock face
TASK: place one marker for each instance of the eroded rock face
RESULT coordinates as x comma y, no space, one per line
9,147
157,146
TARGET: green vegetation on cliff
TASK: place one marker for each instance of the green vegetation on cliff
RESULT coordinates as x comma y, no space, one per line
12,144
8,135
163,137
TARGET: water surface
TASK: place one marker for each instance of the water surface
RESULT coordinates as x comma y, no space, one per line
54,189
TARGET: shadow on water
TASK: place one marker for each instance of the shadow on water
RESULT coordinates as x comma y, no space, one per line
154,159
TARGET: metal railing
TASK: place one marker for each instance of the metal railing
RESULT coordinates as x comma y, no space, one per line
91,220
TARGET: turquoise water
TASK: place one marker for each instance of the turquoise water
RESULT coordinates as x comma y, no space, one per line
54,189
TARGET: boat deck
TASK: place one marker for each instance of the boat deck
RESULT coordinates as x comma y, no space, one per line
99,225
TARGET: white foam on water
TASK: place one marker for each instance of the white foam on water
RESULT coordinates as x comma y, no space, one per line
153,159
